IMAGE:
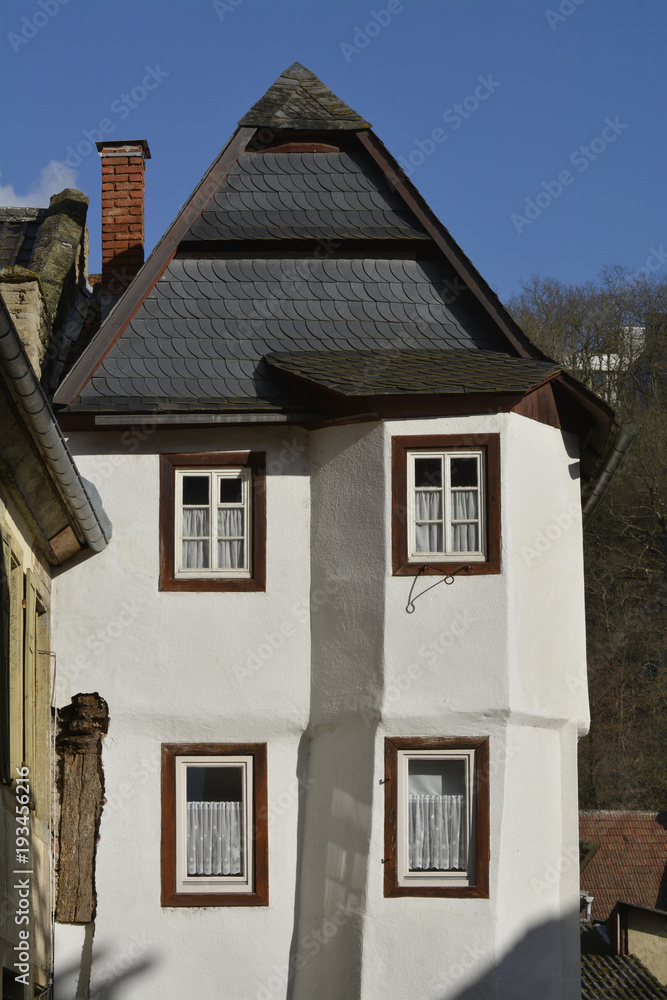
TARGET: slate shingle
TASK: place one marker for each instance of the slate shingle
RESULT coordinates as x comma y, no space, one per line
244,309
299,99
359,373
333,196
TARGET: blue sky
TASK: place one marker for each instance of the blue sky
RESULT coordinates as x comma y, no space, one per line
553,161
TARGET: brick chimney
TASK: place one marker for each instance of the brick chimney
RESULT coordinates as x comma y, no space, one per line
122,211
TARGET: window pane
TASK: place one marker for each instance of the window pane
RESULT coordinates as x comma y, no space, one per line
230,554
231,491
230,523
215,820
215,784
465,538
428,472
437,828
428,538
436,777
195,522
464,505
463,471
195,555
428,506
195,489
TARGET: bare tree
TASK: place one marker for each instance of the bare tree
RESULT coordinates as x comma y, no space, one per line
612,335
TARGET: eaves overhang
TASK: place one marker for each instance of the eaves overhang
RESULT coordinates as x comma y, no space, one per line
36,461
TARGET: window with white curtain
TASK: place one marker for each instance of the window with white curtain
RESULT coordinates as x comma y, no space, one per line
214,825
213,523
446,505
213,817
436,816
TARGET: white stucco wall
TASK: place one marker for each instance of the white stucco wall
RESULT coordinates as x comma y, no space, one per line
494,655
491,655
187,667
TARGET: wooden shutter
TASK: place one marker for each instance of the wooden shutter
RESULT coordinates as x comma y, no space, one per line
5,571
29,674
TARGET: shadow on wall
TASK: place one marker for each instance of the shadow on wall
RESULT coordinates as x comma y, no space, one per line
545,963
109,988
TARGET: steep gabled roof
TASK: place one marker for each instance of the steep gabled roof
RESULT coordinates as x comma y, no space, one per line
299,100
295,240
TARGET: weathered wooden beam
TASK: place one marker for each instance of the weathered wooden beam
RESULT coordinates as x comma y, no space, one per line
81,727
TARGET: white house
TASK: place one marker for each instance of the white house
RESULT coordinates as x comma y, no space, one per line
340,623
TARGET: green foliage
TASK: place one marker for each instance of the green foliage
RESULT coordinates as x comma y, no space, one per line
612,335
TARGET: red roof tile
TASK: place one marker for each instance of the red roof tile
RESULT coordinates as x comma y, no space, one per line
631,863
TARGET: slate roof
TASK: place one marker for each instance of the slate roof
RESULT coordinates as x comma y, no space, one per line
297,251
298,99
605,976
631,863
305,195
361,373
200,333
19,228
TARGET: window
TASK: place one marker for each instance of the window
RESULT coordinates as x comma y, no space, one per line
436,817
214,825
212,522
446,504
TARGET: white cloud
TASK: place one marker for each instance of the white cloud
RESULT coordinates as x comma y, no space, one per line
53,178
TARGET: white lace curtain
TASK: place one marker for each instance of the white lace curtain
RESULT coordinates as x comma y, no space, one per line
464,508
428,507
196,554
214,838
437,832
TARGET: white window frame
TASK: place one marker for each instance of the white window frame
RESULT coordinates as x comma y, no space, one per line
446,455
406,877
214,475
204,884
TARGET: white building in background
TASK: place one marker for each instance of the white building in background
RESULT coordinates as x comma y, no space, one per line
340,624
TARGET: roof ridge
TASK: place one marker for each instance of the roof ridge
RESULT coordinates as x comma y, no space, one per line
299,100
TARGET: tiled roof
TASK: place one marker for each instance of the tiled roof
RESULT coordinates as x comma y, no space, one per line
298,99
631,863
361,373
202,331
605,976
305,196
19,228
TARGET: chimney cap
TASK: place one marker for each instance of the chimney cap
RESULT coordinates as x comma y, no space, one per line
126,147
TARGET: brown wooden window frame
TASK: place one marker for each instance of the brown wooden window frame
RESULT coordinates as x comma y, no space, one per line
480,888
259,864
169,466
489,446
